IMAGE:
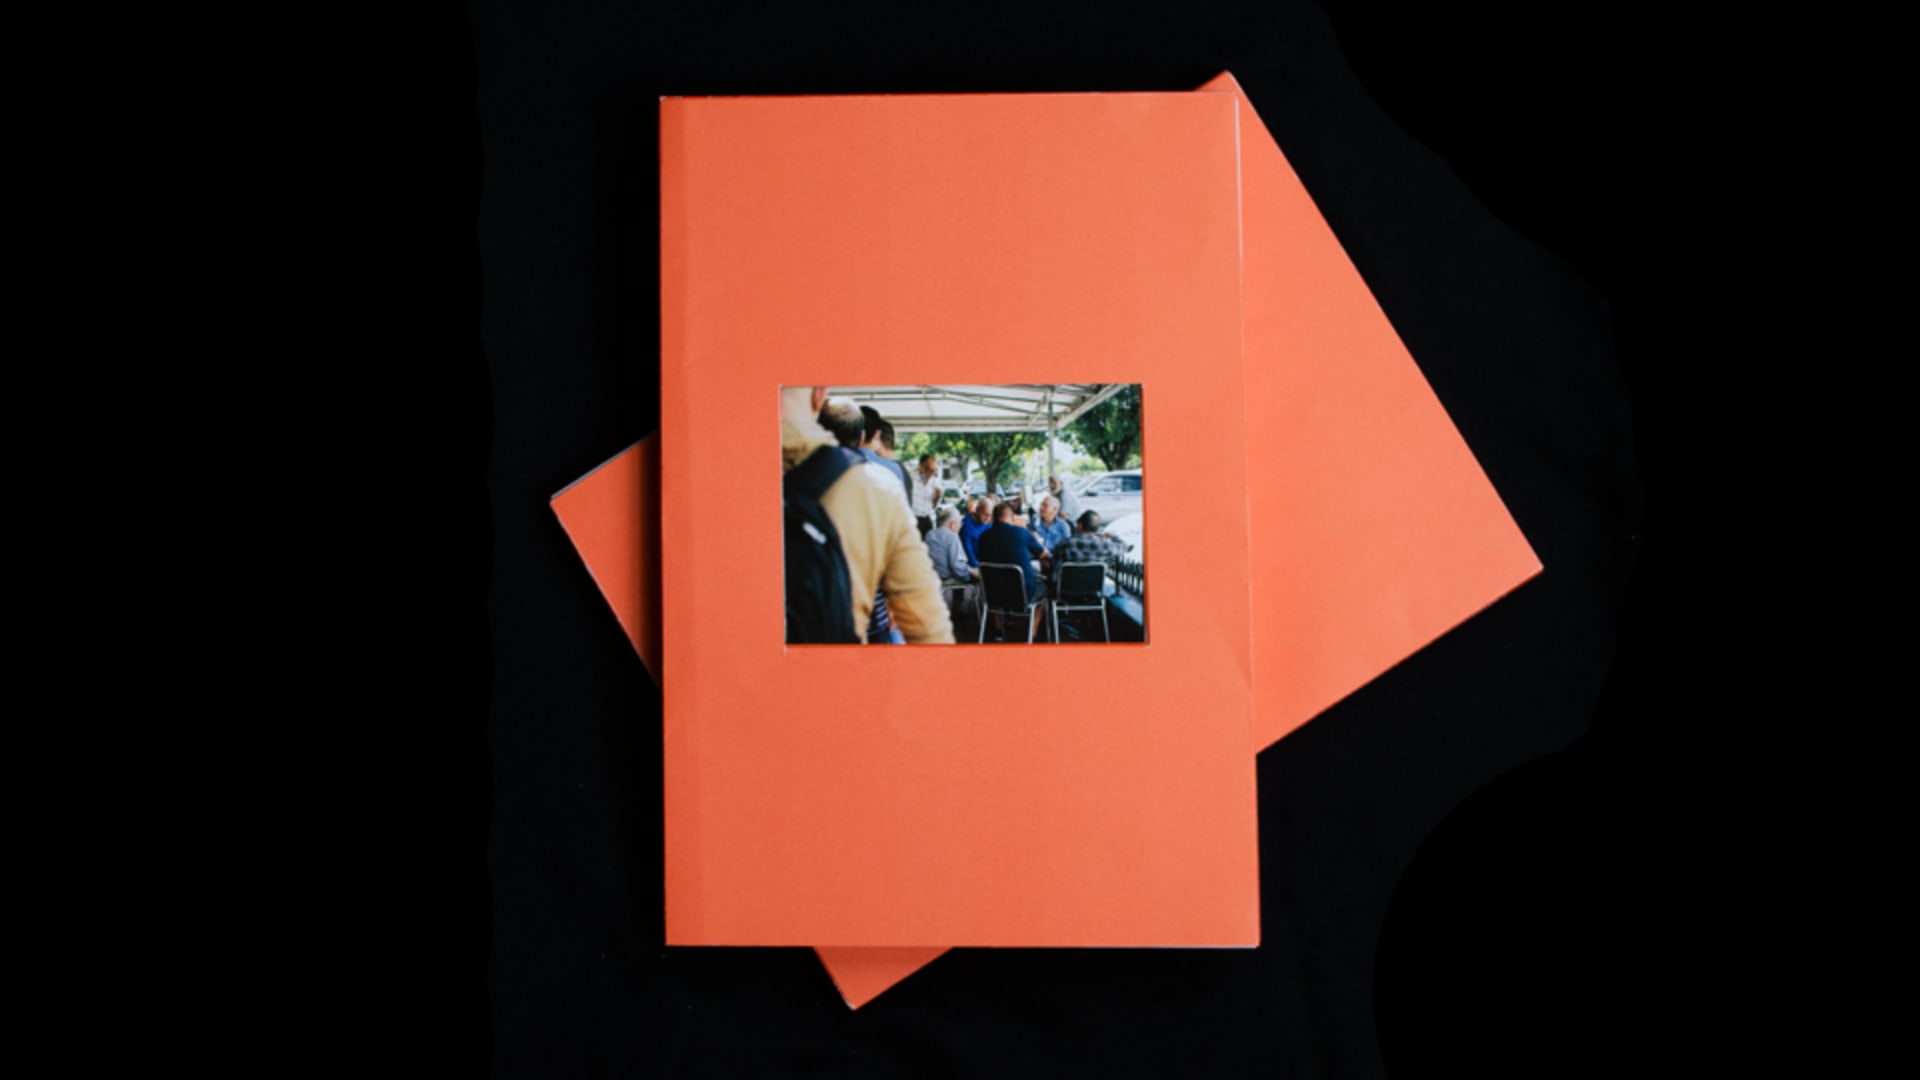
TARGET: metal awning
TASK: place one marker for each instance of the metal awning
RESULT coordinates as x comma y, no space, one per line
982,408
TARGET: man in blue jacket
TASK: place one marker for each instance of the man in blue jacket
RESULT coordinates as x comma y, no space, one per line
979,520
1005,542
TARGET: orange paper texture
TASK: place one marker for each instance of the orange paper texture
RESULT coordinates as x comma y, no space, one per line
613,516
876,796
1384,529
1383,565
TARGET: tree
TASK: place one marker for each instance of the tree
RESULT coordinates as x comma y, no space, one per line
915,443
1110,430
938,443
994,450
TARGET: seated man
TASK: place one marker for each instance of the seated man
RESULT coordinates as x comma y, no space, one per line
949,554
1051,528
979,521
1019,506
950,562
1012,545
1088,544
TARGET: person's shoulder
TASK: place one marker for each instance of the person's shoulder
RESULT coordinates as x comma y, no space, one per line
869,479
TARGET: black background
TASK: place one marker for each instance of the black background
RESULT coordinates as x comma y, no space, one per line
1456,867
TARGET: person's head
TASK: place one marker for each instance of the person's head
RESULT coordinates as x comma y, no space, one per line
1003,513
982,509
950,519
876,433
1090,522
800,430
842,418
1054,484
927,465
1049,508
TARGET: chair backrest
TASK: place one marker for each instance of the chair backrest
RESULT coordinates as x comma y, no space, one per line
1005,586
1082,580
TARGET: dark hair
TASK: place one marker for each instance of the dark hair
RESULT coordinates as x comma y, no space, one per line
928,457
1090,521
1005,511
843,421
874,424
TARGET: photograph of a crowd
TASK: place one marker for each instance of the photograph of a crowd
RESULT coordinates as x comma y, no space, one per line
972,514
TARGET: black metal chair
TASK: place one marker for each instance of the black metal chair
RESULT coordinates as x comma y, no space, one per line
1003,589
1082,587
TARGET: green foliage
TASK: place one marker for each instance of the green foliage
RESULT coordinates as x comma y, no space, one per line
1110,430
994,451
1109,433
913,444
940,444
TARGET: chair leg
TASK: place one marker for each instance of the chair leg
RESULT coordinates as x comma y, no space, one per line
1105,632
1033,624
1053,613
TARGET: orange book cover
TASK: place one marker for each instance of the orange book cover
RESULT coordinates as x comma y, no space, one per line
1384,564
910,796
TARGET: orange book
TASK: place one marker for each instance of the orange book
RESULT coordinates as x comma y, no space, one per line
1393,534
872,796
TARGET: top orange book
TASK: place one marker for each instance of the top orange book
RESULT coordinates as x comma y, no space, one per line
893,796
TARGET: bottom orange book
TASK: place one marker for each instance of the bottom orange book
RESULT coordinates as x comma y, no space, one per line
1392,534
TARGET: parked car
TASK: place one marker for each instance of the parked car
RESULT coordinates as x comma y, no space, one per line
1130,529
1113,494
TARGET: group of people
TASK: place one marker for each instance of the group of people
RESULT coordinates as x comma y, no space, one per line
1040,544
903,553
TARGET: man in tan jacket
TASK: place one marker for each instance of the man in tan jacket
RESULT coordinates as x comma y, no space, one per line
882,545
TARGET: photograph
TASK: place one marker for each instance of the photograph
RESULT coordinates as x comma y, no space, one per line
918,515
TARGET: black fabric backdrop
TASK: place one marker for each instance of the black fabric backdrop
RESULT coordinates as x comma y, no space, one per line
1449,858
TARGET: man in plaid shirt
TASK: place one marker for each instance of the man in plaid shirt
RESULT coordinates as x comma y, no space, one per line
1087,544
